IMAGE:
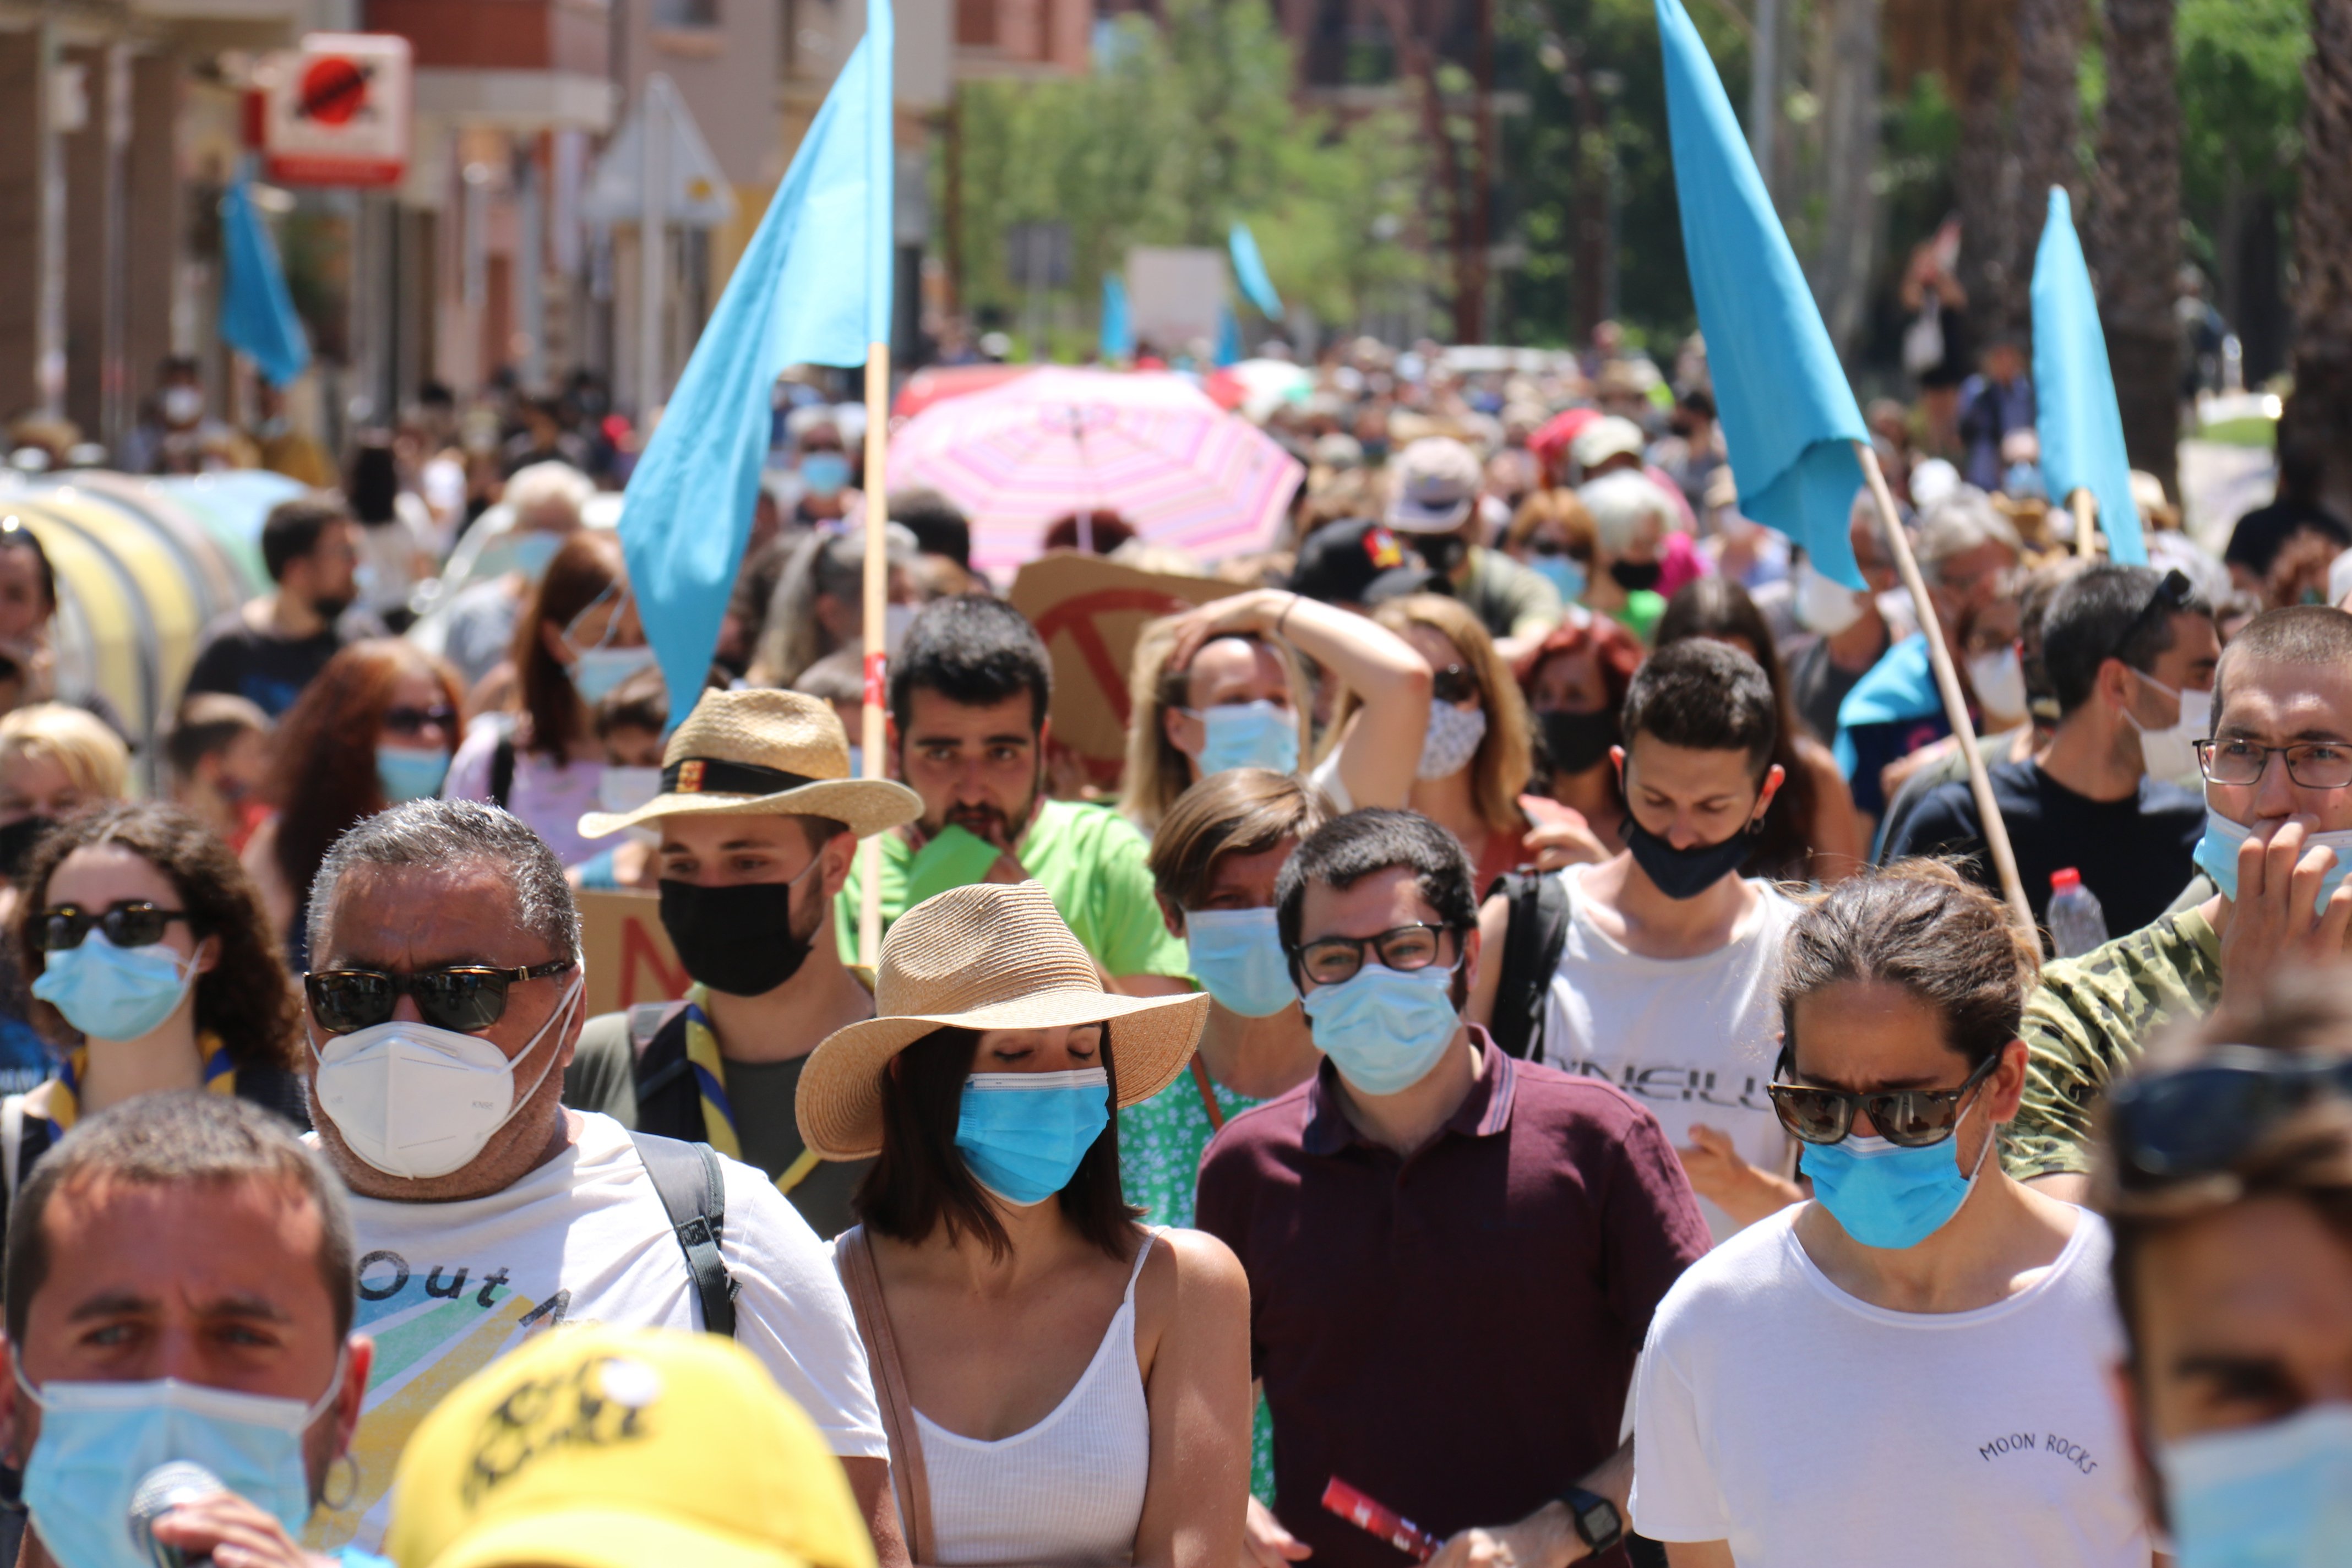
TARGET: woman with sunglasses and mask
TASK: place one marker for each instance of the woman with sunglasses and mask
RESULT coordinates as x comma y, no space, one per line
153,968
579,637
1935,1339
375,727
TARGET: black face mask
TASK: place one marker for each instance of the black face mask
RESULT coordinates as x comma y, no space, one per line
1684,873
1635,575
1442,552
16,841
1575,742
331,608
738,940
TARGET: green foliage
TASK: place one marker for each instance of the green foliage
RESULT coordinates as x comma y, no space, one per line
1174,135
2240,97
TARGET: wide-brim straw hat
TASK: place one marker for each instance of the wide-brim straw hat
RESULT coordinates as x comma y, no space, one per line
767,753
989,956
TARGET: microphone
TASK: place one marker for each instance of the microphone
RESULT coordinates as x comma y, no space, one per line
164,1489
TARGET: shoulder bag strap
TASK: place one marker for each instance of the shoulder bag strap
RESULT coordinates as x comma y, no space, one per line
11,1145
693,1191
855,1259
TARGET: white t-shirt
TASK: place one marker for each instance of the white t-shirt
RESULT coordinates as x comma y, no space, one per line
445,1289
1814,1430
1691,1039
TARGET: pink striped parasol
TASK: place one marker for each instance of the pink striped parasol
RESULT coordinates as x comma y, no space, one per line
1151,447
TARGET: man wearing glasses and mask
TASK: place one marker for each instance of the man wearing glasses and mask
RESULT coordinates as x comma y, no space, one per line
1452,1255
444,1007
2274,854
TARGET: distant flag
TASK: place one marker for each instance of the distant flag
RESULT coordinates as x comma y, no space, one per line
1118,321
1788,412
257,312
814,286
1229,338
1249,271
2081,428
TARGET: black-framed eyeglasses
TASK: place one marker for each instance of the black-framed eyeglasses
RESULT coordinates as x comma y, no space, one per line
2172,595
1333,960
2199,1120
1454,683
126,922
1906,1118
2313,764
416,720
466,998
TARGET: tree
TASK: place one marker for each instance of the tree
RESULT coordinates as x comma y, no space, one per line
2241,102
2136,230
2321,411
2049,122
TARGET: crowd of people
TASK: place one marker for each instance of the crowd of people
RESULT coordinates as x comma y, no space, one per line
1534,1003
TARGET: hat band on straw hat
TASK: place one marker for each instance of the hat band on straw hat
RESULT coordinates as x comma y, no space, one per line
717,776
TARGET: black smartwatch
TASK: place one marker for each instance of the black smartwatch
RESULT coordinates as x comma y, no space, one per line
1598,1523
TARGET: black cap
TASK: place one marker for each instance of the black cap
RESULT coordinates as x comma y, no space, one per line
1360,563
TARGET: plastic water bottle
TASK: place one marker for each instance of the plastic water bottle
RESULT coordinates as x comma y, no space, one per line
2077,924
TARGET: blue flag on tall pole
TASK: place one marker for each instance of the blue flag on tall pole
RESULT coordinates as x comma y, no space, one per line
1228,350
2082,429
1249,271
812,287
256,310
1789,416
1117,334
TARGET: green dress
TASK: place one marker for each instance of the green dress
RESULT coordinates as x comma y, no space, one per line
1160,1146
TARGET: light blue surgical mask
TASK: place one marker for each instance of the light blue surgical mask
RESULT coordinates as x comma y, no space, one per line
1888,1196
1023,1134
404,775
2275,1496
1258,734
99,1440
596,670
2217,855
1565,572
1237,955
113,992
530,549
825,473
1385,1028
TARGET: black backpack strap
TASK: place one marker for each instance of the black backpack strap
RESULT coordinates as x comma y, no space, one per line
669,1101
693,1191
1531,951
502,767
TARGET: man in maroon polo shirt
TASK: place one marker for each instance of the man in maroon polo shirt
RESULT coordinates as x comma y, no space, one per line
1453,1255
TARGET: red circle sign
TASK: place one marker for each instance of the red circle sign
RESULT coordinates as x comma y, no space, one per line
333,90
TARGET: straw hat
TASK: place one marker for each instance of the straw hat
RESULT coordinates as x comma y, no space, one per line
771,753
988,956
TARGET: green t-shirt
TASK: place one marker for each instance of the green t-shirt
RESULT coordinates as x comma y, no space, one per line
1509,598
1089,859
1640,613
2089,1020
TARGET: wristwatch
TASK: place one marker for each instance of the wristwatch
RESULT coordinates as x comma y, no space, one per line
1598,1523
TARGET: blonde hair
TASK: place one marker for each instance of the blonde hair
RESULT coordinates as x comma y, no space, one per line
93,755
1156,773
1505,755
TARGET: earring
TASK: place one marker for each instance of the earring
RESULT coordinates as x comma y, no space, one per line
351,1485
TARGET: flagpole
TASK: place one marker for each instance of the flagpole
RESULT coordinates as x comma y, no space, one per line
2085,507
878,594
1948,680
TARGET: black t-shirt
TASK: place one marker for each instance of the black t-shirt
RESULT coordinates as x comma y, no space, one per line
265,669
2134,855
2254,542
1818,685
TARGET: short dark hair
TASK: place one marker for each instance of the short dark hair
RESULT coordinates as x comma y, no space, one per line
2300,634
640,702
2102,613
15,535
205,725
939,525
183,1136
1346,850
919,1181
291,530
974,651
1705,696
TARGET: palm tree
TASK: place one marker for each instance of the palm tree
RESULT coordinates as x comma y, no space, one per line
2049,119
2320,414
2135,231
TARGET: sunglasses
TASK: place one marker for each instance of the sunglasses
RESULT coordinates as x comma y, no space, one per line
129,922
1333,960
416,720
2200,1120
1454,683
466,998
1906,1118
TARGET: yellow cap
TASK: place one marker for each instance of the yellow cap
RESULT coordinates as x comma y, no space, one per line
599,1448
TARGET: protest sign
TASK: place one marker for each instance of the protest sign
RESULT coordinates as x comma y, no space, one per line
627,955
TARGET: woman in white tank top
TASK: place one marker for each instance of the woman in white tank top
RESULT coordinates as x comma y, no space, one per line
1047,1402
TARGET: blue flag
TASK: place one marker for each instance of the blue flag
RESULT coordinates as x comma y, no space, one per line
1229,338
1118,321
812,288
1788,415
1249,271
2081,428
256,312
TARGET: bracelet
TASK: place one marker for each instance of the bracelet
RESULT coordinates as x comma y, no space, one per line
1279,620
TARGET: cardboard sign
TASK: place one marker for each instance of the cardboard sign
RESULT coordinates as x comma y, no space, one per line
1091,612
629,959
